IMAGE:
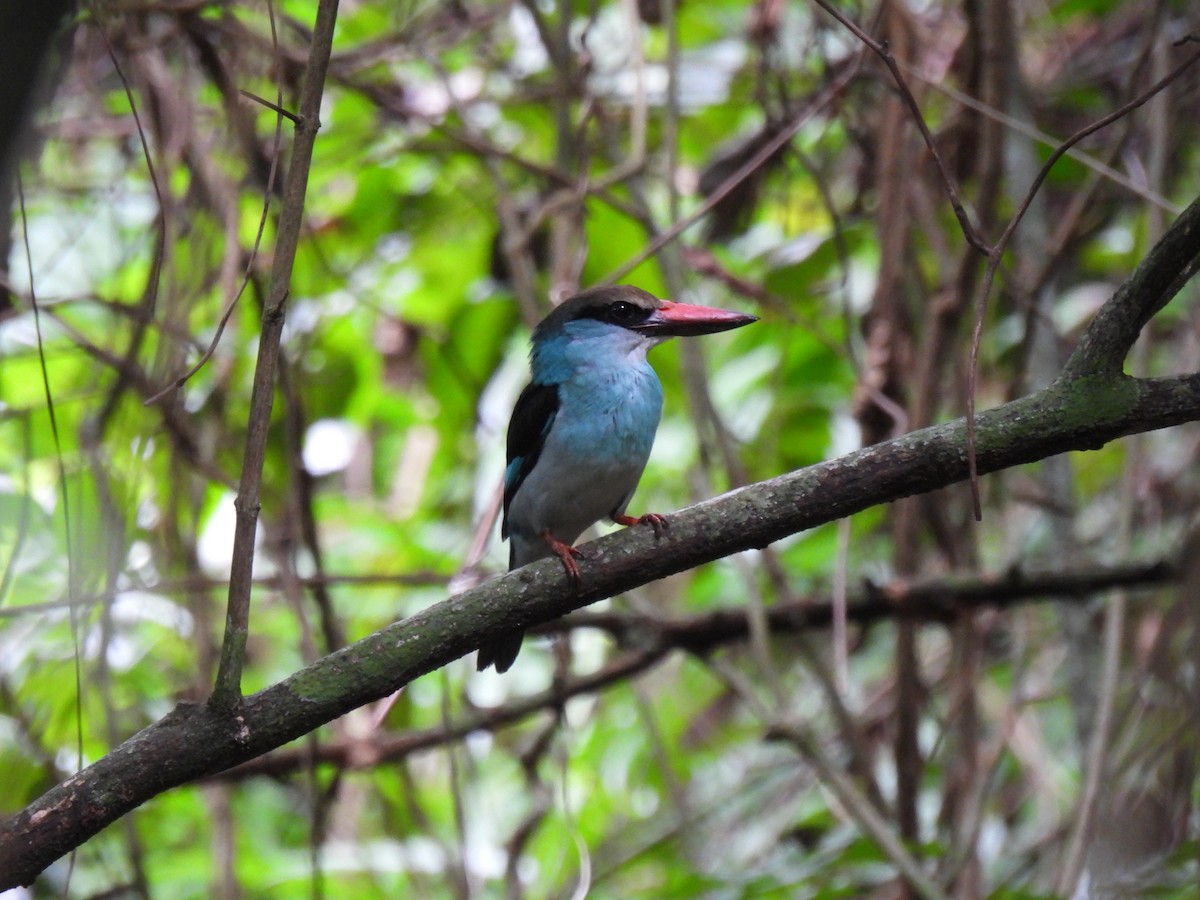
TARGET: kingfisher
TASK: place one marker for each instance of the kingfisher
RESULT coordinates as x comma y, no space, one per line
581,432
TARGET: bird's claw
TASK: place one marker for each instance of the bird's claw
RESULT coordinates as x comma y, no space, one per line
566,555
658,522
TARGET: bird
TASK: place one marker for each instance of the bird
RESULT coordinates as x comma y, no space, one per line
581,431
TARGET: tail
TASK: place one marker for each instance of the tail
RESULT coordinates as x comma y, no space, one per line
501,652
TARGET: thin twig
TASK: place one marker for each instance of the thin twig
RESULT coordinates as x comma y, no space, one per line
274,107
881,50
1034,133
180,380
145,311
227,691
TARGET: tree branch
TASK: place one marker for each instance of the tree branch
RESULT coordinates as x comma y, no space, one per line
1157,279
1090,405
651,640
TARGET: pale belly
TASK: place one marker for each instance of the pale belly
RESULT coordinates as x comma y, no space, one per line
568,501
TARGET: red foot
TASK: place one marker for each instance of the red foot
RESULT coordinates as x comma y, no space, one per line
566,553
654,520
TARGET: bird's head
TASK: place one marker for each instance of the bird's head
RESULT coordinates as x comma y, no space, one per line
627,319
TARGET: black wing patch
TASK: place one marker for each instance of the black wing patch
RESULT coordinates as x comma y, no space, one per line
531,421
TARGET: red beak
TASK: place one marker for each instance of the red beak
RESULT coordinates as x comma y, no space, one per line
687,320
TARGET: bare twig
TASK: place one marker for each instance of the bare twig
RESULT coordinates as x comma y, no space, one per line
227,691
881,50
274,107
1029,130
180,380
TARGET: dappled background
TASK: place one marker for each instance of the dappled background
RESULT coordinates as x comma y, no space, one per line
1013,701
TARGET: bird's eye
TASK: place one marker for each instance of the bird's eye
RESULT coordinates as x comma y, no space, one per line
622,312
616,312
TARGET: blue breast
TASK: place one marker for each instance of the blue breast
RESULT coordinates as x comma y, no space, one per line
610,399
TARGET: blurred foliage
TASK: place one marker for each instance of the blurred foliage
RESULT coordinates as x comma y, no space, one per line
462,145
